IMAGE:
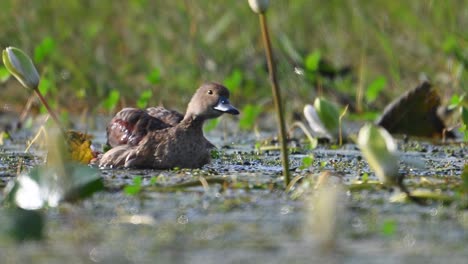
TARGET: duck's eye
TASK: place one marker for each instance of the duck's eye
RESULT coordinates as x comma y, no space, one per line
210,91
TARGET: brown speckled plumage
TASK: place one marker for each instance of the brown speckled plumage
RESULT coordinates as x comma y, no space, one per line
158,138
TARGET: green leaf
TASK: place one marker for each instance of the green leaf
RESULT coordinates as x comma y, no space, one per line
450,44
307,162
464,126
389,227
455,101
44,49
154,77
234,80
312,61
21,66
83,182
111,101
135,188
4,74
25,224
144,98
45,86
215,154
374,89
328,114
211,124
153,180
249,116
365,177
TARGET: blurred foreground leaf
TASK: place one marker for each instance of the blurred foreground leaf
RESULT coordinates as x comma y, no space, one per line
24,225
46,186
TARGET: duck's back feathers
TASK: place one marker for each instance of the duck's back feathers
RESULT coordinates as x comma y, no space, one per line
130,125
170,117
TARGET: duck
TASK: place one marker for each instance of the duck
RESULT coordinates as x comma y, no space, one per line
159,138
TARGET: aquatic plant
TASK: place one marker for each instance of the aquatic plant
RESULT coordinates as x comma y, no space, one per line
260,7
380,151
324,119
22,67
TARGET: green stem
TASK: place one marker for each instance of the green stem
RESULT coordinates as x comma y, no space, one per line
276,97
51,113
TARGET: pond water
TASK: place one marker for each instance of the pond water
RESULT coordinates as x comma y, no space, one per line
250,219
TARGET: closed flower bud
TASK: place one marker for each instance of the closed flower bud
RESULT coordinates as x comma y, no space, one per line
380,151
21,66
259,6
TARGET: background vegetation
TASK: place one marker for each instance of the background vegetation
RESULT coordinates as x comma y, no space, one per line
98,55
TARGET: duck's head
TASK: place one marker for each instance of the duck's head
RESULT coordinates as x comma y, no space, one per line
210,101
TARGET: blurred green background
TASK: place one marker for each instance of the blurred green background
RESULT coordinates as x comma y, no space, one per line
98,56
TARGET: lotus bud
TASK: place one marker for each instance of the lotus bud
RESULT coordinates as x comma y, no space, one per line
328,114
259,6
21,66
315,124
380,151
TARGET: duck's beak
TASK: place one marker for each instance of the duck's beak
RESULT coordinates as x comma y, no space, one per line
225,107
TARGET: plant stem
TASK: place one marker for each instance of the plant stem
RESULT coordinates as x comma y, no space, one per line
276,97
51,113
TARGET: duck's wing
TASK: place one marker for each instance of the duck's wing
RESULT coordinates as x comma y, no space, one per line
170,117
130,125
